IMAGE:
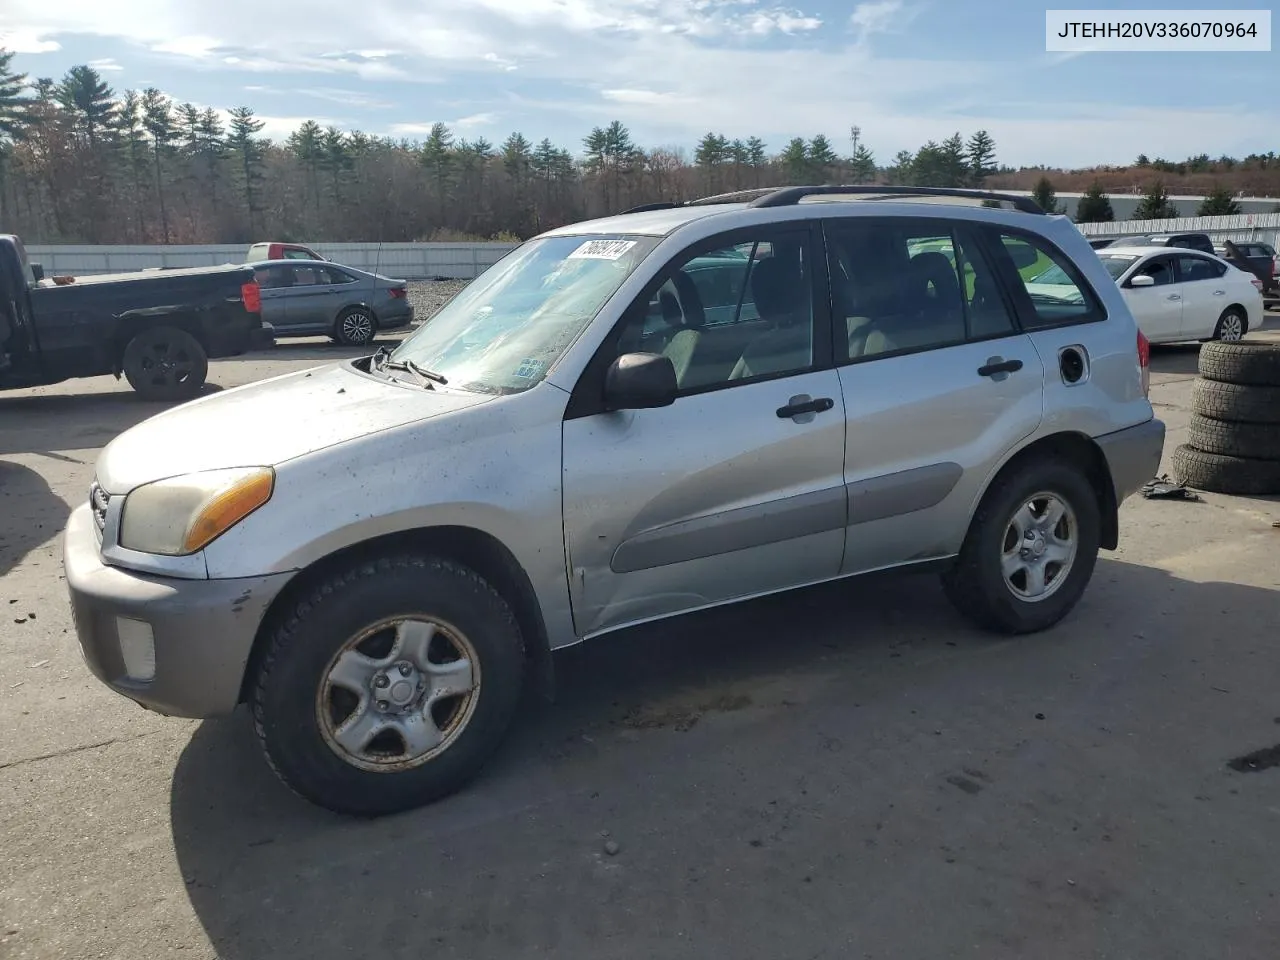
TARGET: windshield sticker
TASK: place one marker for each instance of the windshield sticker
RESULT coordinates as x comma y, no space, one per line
528,368
601,250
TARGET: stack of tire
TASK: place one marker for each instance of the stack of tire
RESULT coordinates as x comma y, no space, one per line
1234,438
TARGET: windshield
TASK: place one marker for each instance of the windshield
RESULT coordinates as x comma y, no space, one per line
1055,276
507,327
1116,265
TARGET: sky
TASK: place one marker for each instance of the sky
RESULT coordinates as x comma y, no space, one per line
902,71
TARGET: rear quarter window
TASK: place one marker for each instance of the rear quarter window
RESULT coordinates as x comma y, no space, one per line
1047,287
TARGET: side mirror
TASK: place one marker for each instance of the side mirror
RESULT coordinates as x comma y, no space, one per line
639,381
37,272
1142,280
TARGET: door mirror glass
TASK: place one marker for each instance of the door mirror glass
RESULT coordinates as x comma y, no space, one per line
639,381
1142,280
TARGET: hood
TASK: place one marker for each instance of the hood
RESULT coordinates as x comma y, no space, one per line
267,423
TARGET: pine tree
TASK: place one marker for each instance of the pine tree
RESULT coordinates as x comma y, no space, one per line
794,160
822,159
757,159
612,156
13,119
1043,194
1155,204
1094,206
88,101
955,165
436,156
243,140
306,143
1219,202
862,162
157,120
981,155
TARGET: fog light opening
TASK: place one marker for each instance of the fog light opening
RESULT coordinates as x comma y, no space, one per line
137,649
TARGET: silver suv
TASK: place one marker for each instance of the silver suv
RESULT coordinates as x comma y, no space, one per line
623,420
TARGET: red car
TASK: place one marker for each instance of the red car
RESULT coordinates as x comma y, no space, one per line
281,251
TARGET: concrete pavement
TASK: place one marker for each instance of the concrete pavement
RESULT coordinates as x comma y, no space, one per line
849,772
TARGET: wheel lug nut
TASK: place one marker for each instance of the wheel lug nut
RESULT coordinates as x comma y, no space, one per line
381,680
405,669
382,706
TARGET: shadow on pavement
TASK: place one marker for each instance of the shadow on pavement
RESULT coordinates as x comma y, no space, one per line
801,775
30,513
1177,358
320,349
76,421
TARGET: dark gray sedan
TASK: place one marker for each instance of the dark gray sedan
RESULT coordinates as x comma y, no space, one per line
303,298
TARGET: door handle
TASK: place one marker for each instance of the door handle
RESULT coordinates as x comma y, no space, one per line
998,365
1219,293
1173,296
805,404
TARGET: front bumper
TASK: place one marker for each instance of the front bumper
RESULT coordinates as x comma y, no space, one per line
1133,456
201,631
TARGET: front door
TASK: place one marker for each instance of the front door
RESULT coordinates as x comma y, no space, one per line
938,382
734,490
274,283
1157,309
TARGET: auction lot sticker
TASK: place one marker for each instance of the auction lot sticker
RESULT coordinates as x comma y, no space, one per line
602,250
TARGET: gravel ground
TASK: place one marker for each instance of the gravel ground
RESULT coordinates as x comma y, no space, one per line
428,296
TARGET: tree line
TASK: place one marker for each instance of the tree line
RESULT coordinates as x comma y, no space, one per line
81,163
1095,206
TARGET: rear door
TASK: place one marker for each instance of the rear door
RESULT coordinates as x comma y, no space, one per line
1204,295
311,296
937,381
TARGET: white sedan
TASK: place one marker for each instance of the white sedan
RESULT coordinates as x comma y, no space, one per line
1176,294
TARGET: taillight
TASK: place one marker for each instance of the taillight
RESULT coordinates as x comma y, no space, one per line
398,293
1144,363
251,294
1257,283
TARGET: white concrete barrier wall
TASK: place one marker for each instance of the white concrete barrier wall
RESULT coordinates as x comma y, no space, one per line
402,261
1259,227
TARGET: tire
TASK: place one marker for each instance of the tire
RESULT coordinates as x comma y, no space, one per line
165,363
298,711
1232,326
355,327
1216,473
976,585
1232,401
1253,441
1253,363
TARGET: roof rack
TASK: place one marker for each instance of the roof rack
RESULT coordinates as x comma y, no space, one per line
788,196
736,196
646,207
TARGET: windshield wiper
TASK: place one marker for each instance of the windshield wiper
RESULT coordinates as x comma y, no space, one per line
382,361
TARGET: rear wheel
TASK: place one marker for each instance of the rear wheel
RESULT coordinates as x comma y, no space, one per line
355,327
165,363
1030,549
1232,326
389,686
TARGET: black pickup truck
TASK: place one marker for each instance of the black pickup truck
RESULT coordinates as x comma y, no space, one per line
159,328
1258,258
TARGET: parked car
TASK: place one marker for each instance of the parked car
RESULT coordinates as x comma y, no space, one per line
1187,241
281,251
157,328
1258,258
302,299
570,448
1183,294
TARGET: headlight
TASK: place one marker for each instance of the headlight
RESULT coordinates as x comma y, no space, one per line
181,515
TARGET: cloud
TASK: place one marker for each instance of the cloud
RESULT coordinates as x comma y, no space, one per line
107,64
880,16
27,41
422,128
351,98
476,120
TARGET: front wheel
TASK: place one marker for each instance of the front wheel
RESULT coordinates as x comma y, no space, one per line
1030,549
389,686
